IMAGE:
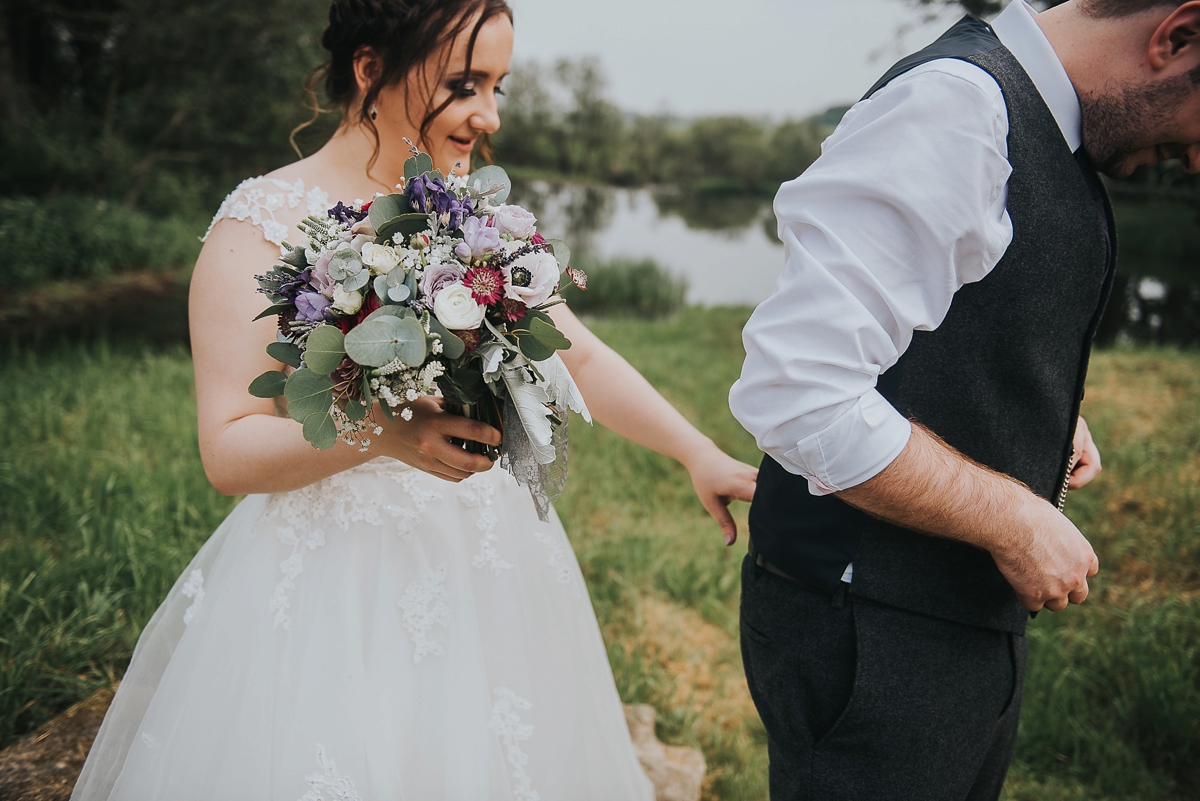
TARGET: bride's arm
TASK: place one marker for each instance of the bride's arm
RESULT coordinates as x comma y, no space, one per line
244,446
622,400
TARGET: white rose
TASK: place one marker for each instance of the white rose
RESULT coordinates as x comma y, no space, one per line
346,302
531,279
515,221
457,310
382,259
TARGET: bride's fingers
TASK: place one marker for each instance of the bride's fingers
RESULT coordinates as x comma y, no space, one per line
452,425
717,508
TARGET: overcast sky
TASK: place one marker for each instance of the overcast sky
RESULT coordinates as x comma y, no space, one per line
775,57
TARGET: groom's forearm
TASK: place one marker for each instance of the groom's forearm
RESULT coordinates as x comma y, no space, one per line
934,489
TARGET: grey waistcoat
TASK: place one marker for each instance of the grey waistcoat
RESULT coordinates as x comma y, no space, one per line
1001,379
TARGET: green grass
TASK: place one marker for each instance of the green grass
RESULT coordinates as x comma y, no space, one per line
103,501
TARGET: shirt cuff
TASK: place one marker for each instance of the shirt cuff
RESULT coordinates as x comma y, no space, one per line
854,448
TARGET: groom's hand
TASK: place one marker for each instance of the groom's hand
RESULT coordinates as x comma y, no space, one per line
1046,559
933,488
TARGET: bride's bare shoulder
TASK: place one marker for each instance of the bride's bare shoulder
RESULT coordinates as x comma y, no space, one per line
275,202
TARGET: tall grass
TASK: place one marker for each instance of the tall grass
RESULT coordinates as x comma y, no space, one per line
102,502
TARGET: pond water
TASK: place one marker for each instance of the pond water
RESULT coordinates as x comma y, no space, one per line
727,251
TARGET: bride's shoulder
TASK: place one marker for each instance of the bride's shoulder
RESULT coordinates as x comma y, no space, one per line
274,203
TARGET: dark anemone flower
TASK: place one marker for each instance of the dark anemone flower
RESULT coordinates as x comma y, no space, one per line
347,215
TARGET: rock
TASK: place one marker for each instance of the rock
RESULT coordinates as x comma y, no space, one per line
45,765
677,773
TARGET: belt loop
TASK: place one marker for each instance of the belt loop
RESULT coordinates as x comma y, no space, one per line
839,595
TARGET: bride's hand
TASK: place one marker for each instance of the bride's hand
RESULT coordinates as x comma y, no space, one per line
425,441
719,479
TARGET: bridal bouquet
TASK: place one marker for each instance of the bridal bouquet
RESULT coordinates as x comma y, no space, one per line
440,289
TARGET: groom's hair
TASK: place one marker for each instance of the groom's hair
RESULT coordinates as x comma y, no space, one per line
1124,8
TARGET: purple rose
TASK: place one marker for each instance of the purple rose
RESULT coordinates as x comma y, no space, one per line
436,278
478,240
311,307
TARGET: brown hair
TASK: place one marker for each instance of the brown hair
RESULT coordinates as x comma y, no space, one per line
1124,8
404,35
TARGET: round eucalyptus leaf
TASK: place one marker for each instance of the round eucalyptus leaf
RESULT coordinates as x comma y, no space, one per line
380,286
399,294
320,430
377,342
384,208
325,349
391,311
486,178
356,281
562,253
424,163
355,411
307,393
395,277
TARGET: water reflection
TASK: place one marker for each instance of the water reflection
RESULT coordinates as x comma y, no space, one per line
727,249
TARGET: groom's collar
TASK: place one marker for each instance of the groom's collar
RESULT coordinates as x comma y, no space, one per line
1020,33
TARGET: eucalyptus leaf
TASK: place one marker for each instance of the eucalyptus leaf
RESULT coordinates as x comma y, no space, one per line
410,169
355,411
325,349
452,346
491,177
391,311
437,175
353,283
380,286
410,281
403,224
307,393
377,342
268,385
548,335
368,400
424,163
562,253
530,316
320,430
278,308
533,348
284,353
384,208
387,411
395,277
399,294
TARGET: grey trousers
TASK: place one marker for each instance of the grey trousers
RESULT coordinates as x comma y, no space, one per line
866,702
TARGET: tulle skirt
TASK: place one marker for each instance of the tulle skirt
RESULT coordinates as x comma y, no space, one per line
379,635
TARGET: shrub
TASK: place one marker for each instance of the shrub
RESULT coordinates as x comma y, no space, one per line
78,237
625,288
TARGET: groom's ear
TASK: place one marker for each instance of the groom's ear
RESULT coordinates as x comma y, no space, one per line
1176,42
366,69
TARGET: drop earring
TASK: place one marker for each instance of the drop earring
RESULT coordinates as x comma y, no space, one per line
374,112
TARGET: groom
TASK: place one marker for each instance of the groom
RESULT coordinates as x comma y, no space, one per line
915,380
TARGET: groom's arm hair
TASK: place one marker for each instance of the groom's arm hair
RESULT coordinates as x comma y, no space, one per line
937,490
934,489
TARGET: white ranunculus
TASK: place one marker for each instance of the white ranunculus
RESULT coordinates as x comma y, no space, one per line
382,259
531,279
515,221
346,302
457,310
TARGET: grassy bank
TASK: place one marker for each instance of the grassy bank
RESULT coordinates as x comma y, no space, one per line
103,501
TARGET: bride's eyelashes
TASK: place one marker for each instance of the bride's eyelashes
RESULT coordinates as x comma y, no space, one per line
465,89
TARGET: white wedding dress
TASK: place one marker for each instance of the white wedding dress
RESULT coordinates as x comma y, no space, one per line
381,635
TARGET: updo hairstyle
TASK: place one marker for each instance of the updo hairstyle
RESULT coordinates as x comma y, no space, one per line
404,35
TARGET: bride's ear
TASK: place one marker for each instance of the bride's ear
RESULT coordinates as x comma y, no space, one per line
366,69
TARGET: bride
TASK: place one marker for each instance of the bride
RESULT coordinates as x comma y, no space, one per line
396,624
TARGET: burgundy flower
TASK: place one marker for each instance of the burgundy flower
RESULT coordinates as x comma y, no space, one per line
486,285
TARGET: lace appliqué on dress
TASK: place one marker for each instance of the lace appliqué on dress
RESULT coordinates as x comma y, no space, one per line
252,200
193,588
557,557
341,499
424,604
506,723
328,781
479,493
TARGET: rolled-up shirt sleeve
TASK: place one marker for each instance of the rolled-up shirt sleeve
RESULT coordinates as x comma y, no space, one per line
905,205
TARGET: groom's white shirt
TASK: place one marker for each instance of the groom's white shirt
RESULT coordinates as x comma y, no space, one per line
905,206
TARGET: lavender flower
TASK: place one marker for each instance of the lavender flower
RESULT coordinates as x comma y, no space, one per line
311,307
478,240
